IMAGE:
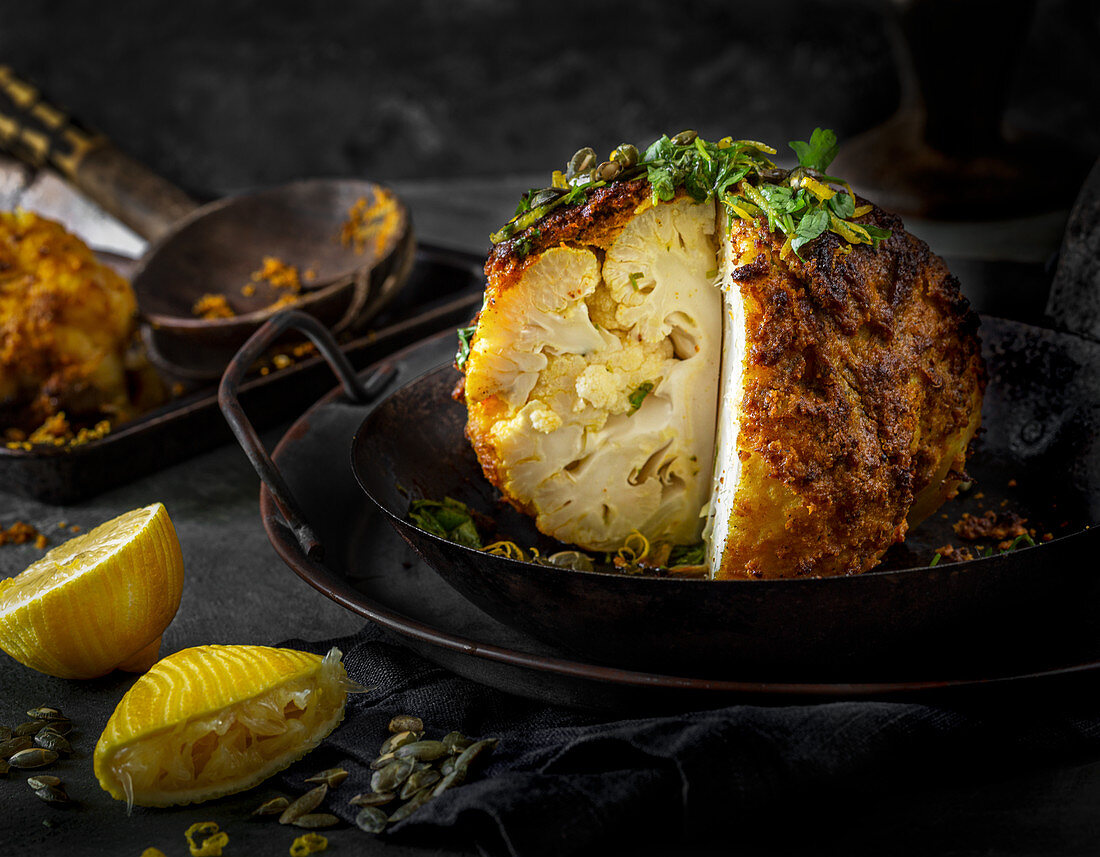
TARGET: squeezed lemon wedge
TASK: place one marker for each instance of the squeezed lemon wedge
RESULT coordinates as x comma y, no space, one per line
214,720
97,602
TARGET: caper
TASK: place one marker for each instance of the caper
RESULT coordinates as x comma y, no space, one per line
626,154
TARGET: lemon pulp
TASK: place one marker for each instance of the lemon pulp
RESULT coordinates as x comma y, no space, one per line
198,729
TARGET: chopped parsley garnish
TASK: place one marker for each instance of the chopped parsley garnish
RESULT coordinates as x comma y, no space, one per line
802,203
465,337
449,519
688,555
638,396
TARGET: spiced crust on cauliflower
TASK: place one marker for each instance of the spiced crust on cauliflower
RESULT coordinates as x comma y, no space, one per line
712,347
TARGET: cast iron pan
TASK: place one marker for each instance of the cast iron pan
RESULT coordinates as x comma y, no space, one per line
897,630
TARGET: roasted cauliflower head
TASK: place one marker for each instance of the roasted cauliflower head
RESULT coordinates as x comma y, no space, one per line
66,321
676,358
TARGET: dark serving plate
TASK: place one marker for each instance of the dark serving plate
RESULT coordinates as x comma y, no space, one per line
443,290
1019,621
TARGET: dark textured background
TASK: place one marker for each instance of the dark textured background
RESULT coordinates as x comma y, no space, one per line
220,95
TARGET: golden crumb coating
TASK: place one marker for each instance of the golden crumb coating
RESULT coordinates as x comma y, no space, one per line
861,388
66,321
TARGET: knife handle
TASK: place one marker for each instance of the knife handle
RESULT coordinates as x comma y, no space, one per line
39,133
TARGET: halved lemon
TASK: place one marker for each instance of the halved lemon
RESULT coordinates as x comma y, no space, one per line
97,602
214,720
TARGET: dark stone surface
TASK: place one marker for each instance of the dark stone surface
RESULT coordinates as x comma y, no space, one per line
222,95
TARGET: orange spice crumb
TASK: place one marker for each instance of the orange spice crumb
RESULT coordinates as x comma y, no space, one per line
75,528
20,533
278,274
248,291
211,307
371,223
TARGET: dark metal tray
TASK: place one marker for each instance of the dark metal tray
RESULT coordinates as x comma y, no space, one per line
367,568
444,290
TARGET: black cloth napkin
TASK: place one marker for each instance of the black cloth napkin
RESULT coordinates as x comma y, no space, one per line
564,782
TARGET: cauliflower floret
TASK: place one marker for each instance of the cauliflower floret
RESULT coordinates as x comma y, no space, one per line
605,381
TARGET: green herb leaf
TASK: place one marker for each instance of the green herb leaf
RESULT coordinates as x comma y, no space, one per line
638,396
809,228
842,206
449,519
819,152
465,337
688,555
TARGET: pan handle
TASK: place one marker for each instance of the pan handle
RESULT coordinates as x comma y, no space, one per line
37,132
358,391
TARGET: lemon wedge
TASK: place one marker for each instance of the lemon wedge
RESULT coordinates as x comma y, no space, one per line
97,602
214,720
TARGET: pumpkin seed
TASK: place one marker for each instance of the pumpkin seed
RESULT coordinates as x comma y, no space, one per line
626,154
273,806
473,751
33,758
454,778
316,820
419,780
12,746
52,794
582,161
399,740
545,197
304,805
45,712
62,726
456,742
607,171
408,808
685,137
371,820
5,733
382,761
372,798
31,727
405,723
41,781
331,777
390,777
48,740
447,766
422,751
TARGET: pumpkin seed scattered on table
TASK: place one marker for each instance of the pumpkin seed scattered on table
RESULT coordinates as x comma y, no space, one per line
275,806
316,820
371,820
33,758
45,712
48,740
31,727
13,745
422,751
41,781
331,778
52,794
418,769
304,805
406,723
372,798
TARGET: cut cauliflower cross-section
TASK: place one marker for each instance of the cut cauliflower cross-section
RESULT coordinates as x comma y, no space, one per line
591,381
